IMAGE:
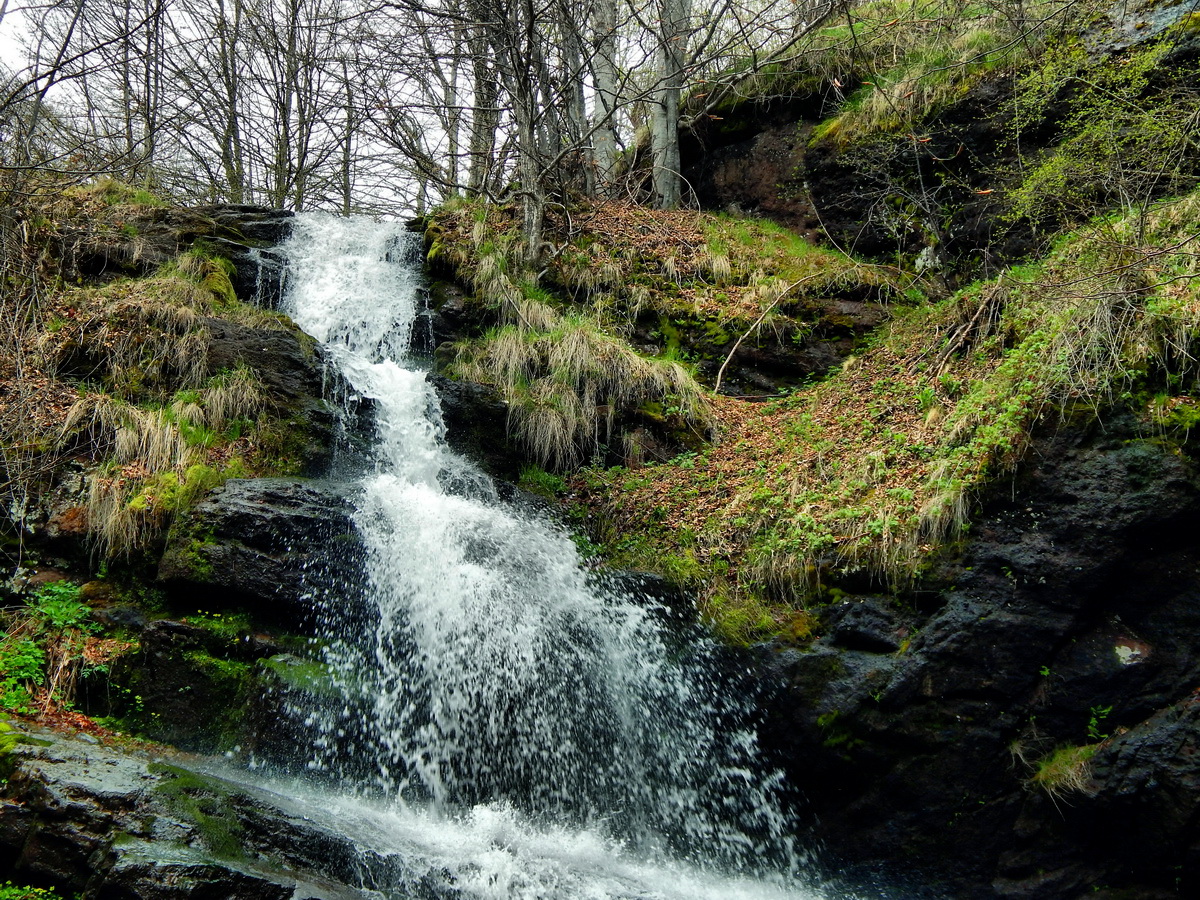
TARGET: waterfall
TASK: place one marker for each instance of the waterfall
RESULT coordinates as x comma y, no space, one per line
486,684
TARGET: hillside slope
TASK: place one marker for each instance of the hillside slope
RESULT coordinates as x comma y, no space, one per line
954,538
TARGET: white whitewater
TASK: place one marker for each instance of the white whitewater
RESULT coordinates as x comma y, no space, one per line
511,724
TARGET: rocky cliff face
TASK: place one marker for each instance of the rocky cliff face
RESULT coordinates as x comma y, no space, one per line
1064,635
936,187
214,583
1021,723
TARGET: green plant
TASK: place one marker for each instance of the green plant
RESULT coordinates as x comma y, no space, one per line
59,607
537,480
1123,141
226,625
22,670
203,801
1065,771
10,891
1096,717
41,654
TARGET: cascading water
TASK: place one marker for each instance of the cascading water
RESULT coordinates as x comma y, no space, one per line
484,677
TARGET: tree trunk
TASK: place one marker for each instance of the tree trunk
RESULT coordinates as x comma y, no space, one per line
664,137
604,76
233,162
485,90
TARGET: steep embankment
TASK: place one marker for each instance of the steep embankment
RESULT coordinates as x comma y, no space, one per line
934,471
135,380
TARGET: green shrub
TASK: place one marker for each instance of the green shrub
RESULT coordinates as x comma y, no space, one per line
10,891
58,606
22,669
42,646
1123,140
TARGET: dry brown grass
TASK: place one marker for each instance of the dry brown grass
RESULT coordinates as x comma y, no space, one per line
567,383
116,376
229,396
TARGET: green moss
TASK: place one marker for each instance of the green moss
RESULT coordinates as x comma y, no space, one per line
837,734
306,675
205,803
230,626
230,677
9,739
191,554
228,682
538,481
115,193
169,491
10,891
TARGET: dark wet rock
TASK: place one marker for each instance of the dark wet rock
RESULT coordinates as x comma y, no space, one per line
476,421
294,377
750,160
122,616
869,624
149,237
286,359
451,314
1138,815
247,238
185,684
273,546
1069,617
263,225
56,513
676,604
1146,785
128,825
258,272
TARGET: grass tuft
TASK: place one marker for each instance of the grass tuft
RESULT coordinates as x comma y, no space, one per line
1065,771
568,383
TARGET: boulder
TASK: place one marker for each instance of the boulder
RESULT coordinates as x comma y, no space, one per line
187,683
111,824
247,236
151,236
294,376
275,547
476,420
260,224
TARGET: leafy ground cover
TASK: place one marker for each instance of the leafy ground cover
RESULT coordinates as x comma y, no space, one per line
866,476
628,261
49,643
